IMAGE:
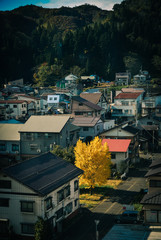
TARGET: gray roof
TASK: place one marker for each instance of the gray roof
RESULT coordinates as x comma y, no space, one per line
87,103
48,123
10,132
152,172
43,174
153,198
130,129
155,163
85,121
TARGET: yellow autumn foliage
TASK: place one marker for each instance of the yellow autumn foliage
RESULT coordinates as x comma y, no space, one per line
95,160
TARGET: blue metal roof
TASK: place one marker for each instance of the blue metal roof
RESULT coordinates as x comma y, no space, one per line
44,173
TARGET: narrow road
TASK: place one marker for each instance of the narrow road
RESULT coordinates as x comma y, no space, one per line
85,228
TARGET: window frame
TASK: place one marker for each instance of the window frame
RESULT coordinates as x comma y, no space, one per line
29,228
27,209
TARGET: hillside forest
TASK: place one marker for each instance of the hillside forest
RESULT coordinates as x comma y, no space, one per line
83,40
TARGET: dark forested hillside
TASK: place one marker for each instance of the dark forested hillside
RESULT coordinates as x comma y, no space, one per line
84,40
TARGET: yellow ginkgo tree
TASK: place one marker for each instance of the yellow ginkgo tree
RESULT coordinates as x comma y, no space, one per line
95,160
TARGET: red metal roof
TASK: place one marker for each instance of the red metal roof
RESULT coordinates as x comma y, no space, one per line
128,95
117,145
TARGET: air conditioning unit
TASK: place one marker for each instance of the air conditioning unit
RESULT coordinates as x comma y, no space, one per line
38,150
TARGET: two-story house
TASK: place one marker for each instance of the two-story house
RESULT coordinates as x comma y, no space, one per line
14,108
80,107
45,186
126,106
123,78
152,200
40,133
9,143
119,149
89,127
149,105
97,98
124,131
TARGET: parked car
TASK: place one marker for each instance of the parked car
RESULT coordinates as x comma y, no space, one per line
128,217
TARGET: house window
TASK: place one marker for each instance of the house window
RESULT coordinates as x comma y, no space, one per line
113,156
15,148
68,208
59,213
98,128
27,228
50,98
155,183
14,106
27,206
90,114
78,113
126,111
4,202
85,129
2,147
5,184
60,195
55,98
67,191
48,202
76,184
80,104
75,202
28,135
125,154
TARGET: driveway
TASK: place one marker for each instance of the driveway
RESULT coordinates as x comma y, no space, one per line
84,228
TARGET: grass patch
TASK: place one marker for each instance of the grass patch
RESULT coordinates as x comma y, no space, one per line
98,193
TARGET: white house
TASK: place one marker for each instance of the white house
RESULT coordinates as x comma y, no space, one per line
45,186
119,149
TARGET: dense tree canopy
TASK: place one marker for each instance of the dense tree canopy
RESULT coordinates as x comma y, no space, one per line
94,159
84,38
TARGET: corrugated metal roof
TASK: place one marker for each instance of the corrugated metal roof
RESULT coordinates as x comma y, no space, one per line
87,103
85,121
155,163
117,145
10,132
43,174
52,123
128,95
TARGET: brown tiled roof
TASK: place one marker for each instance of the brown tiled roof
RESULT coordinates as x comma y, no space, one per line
128,95
92,97
152,172
152,199
87,103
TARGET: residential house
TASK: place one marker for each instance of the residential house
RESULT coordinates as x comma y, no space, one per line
152,200
45,186
119,149
150,130
14,108
89,127
158,111
142,78
40,133
125,131
126,106
10,141
89,81
28,98
2,112
122,79
97,98
83,108
58,101
149,104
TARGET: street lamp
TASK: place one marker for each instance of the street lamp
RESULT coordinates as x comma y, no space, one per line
97,222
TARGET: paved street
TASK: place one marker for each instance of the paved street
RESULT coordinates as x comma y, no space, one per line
85,227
